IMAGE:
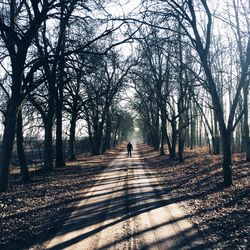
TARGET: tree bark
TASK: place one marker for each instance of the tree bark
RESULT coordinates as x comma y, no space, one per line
174,139
116,131
97,140
106,144
20,149
216,138
216,144
180,144
181,97
72,154
246,136
48,146
227,158
156,142
192,132
59,144
163,131
60,162
7,142
10,120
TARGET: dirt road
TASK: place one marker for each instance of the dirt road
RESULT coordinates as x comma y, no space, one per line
127,209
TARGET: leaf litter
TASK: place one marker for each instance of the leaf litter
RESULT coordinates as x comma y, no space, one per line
221,214
30,211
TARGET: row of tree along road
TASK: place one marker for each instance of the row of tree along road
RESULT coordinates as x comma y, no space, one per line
64,71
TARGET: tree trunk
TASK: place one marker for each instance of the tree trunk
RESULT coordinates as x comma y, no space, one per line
227,158
106,144
48,146
116,131
72,154
97,145
168,143
248,151
180,145
208,141
59,143
246,137
7,142
174,139
156,141
97,140
192,132
242,148
10,121
181,98
20,149
200,132
216,144
163,131
60,162
89,125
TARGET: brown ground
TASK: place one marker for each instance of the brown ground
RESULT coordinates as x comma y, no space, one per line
127,209
27,211
223,215
197,184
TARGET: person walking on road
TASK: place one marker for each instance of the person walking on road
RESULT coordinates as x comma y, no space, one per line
129,148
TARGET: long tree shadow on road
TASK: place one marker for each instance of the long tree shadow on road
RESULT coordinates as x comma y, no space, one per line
118,205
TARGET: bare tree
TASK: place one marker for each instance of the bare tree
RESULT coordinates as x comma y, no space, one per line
101,89
243,40
17,36
186,12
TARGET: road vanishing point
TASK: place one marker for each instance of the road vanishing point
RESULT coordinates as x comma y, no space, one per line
127,208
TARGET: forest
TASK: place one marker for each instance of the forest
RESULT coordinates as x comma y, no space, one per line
79,77
66,66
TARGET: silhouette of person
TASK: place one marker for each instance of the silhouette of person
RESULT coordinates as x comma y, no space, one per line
129,148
